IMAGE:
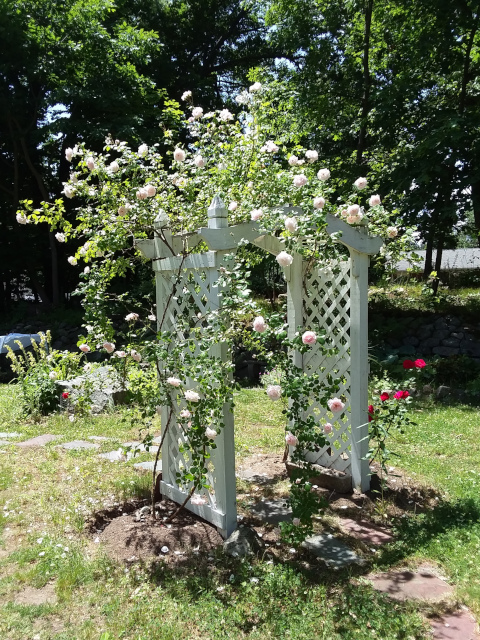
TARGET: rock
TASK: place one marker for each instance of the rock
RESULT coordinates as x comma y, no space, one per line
332,551
271,511
431,342
104,388
425,332
441,335
442,391
412,341
242,542
457,336
148,466
39,441
407,350
445,351
332,479
427,389
141,513
451,342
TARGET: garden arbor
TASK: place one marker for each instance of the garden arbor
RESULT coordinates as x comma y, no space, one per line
333,298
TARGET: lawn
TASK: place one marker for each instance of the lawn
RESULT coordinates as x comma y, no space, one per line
47,494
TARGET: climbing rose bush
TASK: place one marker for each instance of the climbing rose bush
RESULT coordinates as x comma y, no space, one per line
166,188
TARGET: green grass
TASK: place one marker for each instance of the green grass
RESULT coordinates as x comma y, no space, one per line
48,494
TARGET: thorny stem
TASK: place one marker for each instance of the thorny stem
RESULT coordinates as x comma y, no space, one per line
154,476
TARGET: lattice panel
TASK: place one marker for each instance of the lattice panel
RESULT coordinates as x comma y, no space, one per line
327,304
193,298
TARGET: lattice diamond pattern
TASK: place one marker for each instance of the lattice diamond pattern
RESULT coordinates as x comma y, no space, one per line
327,303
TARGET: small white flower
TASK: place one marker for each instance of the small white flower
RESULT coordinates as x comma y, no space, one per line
197,112
152,317
311,156
90,163
293,161
114,167
174,382
319,202
165,549
256,86
22,218
69,191
71,418
53,375
186,95
72,260
242,98
199,162
86,271
151,190
120,354
300,180
142,150
233,205
374,200
211,433
135,355
392,232
141,194
225,115
122,210
69,154
256,214
132,317
60,237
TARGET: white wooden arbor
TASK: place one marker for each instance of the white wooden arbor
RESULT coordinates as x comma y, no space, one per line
336,298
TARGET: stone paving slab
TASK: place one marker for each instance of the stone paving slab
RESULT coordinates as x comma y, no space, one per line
4,442
332,551
11,434
407,585
455,626
148,466
272,511
137,446
99,438
113,456
79,444
39,441
366,531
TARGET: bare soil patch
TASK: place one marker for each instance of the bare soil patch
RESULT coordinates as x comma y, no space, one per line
262,468
127,539
30,595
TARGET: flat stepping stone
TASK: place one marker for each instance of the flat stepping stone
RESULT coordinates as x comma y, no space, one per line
272,511
12,434
366,531
407,585
113,456
157,440
4,442
137,446
79,444
39,441
99,438
455,626
332,551
148,466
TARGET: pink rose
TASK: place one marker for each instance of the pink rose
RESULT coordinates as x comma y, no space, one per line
392,232
284,259
174,382
353,209
185,414
151,190
120,354
327,428
109,347
300,180
256,214
179,155
309,337
323,174
291,440
374,200
259,324
274,391
311,156
84,347
199,162
319,202
296,522
293,161
291,224
132,317
135,355
211,433
122,210
197,112
91,163
360,183
141,194
192,396
335,405
233,205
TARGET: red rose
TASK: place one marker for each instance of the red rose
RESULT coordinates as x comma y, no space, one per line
65,395
384,396
401,394
370,412
408,364
420,363
405,394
